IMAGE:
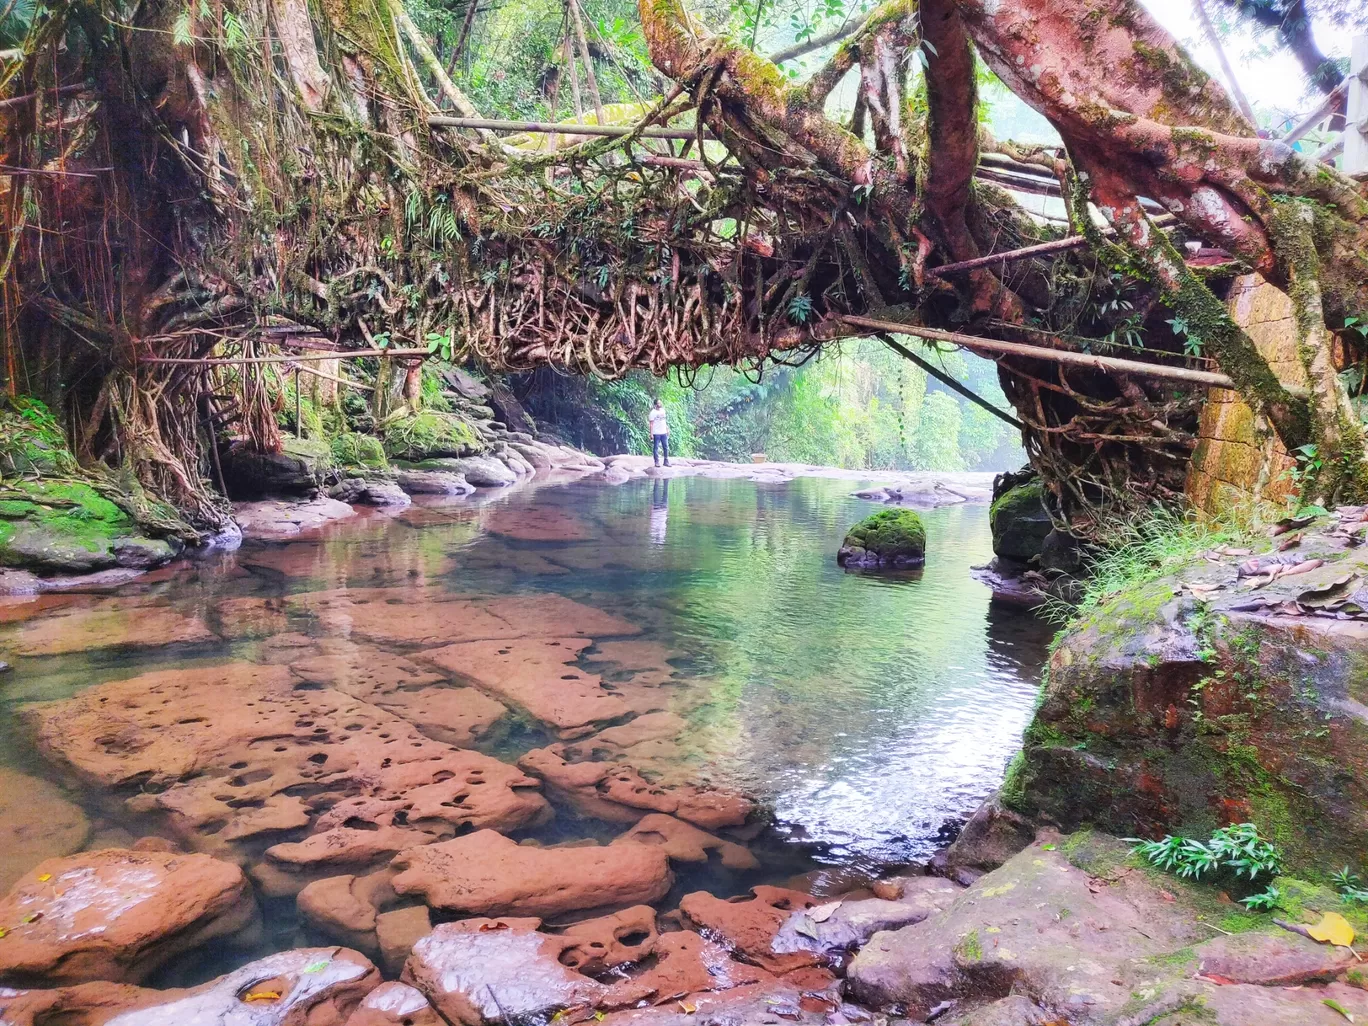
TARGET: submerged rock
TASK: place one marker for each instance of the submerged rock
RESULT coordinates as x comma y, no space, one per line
117,915
684,842
890,538
485,873
114,623
228,756
36,823
497,970
618,793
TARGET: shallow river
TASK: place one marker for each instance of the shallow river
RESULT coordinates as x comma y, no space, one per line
864,712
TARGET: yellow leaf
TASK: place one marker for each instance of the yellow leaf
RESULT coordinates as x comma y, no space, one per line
263,995
1332,929
45,878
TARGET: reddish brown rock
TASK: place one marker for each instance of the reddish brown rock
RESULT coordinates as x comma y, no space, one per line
1282,959
398,931
432,616
610,941
36,823
618,793
344,908
114,623
453,715
537,523
536,675
227,754
776,1002
685,963
485,873
395,1004
117,915
749,924
684,842
835,927
491,970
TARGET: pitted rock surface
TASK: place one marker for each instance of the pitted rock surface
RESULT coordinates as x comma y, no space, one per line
117,915
684,842
750,923
227,754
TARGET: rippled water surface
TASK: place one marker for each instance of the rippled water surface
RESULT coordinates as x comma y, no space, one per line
864,711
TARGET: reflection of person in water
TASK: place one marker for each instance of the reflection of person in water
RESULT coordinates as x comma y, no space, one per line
660,509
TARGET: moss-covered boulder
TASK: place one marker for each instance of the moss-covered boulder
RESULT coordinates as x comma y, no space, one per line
430,434
67,526
1192,700
891,538
1019,522
297,471
353,449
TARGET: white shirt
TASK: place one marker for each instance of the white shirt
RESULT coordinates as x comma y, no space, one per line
656,418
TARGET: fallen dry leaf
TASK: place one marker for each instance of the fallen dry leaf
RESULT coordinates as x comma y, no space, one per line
1332,929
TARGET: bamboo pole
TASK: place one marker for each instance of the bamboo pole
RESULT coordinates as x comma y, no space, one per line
1232,82
590,78
574,79
948,381
1105,364
551,128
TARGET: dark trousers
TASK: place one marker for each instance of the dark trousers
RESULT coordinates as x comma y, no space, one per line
660,444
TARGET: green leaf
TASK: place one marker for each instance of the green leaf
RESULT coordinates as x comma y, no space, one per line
182,29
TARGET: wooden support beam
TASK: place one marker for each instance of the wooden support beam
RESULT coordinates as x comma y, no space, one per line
1323,110
550,128
1105,364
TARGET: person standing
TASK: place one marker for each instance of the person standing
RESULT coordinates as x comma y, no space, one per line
660,433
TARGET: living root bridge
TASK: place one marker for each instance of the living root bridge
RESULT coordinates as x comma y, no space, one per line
284,165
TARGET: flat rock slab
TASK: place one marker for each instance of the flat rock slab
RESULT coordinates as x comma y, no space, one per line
617,793
302,987
1129,945
278,520
828,930
431,616
536,675
455,715
536,524
485,873
117,915
490,970
36,823
225,754
116,623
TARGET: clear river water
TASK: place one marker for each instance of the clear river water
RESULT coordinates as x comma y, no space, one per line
863,712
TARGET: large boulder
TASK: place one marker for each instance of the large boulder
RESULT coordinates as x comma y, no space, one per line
1070,931
297,470
485,873
430,434
67,526
890,538
117,915
1020,522
1196,699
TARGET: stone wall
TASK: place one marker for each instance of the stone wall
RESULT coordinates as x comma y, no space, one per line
1239,461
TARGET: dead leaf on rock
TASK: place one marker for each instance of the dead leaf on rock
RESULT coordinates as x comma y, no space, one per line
821,913
1327,595
1332,929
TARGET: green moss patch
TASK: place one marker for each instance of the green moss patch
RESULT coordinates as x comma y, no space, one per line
428,434
352,449
891,535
